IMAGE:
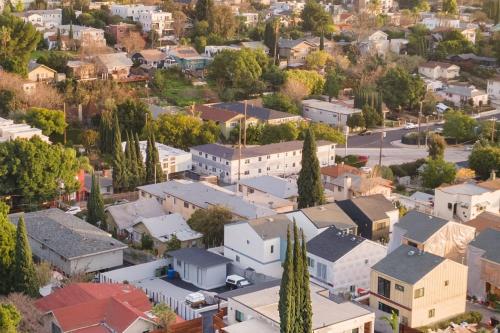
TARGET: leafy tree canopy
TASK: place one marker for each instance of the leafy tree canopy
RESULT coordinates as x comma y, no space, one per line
459,126
485,159
210,222
437,172
401,89
310,79
49,121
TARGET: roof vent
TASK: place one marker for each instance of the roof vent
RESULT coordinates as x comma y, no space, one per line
411,253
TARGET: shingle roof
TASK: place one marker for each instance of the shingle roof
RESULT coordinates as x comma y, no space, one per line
328,215
152,55
485,220
489,241
256,111
127,214
420,226
163,227
360,183
332,244
214,113
65,234
375,206
199,257
272,226
336,170
115,60
407,264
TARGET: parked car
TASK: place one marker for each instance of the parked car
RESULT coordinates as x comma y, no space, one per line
195,300
410,126
236,281
73,210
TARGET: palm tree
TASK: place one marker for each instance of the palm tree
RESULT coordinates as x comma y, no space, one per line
393,321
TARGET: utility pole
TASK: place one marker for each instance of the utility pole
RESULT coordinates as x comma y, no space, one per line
64,110
245,126
494,120
382,135
239,154
419,115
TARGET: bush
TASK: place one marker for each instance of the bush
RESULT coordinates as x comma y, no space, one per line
407,169
146,242
472,317
411,138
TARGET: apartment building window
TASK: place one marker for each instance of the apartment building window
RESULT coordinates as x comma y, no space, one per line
214,158
268,168
227,162
321,271
238,315
247,172
450,205
399,287
272,248
293,165
419,292
186,204
355,330
214,169
386,308
384,287
310,262
352,288
432,313
206,155
268,157
247,161
199,164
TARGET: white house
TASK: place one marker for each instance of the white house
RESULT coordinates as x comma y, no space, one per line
11,131
342,262
376,43
249,19
439,70
131,11
282,158
86,36
493,88
159,21
49,18
334,113
69,243
204,269
463,202
432,23
461,95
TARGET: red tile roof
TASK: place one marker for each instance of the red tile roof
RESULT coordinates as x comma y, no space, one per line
83,307
337,170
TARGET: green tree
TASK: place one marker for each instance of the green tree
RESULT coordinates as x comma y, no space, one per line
7,102
18,40
316,60
371,116
280,102
485,159
310,79
95,204
222,21
165,315
286,304
333,84
147,242
154,171
55,60
24,273
437,172
200,42
401,89
132,115
450,6
315,18
356,120
173,243
203,9
298,268
120,177
106,132
7,247
278,133
459,126
436,146
309,182
271,36
321,132
393,321
210,222
9,318
49,121
305,304
131,163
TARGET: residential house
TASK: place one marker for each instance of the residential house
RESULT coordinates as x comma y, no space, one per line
439,70
105,180
82,70
46,19
188,59
463,95
255,45
121,218
279,187
471,58
231,163
120,31
264,115
485,220
420,201
342,262
420,287
331,172
84,36
185,197
493,88
434,22
40,73
249,19
173,161
98,307
483,259
255,309
162,229
375,43
295,51
68,243
260,243
114,66
227,120
151,58
432,234
374,215
159,21
202,268
11,131
132,11
463,202
398,45
334,113
350,186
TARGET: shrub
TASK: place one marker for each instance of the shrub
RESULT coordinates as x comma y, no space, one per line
472,317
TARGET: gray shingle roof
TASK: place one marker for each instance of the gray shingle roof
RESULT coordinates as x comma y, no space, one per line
127,214
329,215
489,241
272,226
332,244
199,257
65,234
420,226
407,265
256,111
374,206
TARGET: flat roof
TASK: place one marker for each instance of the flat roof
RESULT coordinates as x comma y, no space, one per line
199,257
328,215
279,187
335,106
252,325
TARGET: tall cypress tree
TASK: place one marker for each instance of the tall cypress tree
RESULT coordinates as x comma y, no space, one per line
286,305
132,162
106,132
141,168
154,172
203,9
160,176
298,274
7,248
309,184
25,280
95,204
305,306
120,181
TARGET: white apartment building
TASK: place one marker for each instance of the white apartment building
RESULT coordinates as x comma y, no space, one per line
334,113
11,131
50,18
432,23
131,11
464,202
172,160
493,88
86,36
159,21
439,70
280,159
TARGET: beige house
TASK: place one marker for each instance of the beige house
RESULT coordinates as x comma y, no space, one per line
227,120
114,66
296,51
422,288
350,185
40,73
439,70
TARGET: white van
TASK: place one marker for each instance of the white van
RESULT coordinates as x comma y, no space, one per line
236,281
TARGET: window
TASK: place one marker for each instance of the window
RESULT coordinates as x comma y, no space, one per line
386,308
272,248
310,262
399,287
206,155
247,161
247,172
55,328
260,158
186,204
432,313
419,293
352,288
248,242
366,261
179,263
321,271
404,320
268,168
355,330
214,169
260,170
200,153
237,258
293,165
227,162
446,283
268,157
450,206
238,316
384,287
214,158
380,226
